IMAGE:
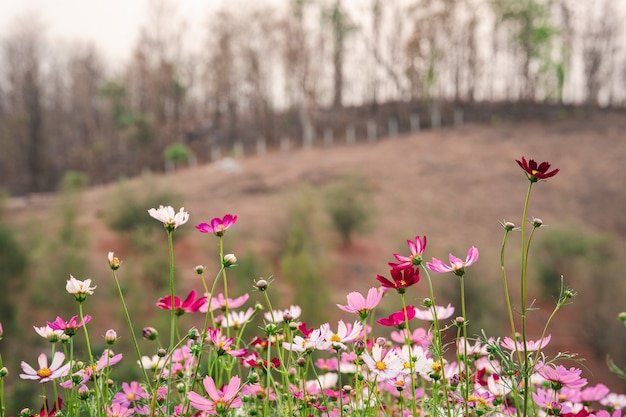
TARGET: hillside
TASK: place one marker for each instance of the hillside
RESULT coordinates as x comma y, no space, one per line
453,185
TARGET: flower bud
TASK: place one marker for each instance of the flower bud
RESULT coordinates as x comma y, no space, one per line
199,269
83,392
150,333
4,372
193,334
258,307
301,362
459,321
428,303
622,316
110,337
347,389
381,341
537,222
261,284
25,412
229,260
180,387
161,353
293,325
114,262
359,347
508,226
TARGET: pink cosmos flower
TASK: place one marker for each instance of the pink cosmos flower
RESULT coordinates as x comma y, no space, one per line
441,311
218,401
236,319
118,410
416,248
190,305
219,302
217,226
107,359
46,373
223,344
560,376
129,394
345,334
457,266
531,345
546,399
362,305
419,336
69,327
402,278
397,319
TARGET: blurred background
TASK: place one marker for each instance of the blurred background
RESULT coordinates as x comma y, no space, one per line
335,129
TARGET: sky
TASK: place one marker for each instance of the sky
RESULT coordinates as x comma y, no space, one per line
112,25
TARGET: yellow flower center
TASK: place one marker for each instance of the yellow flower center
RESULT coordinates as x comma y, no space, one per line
130,397
436,366
407,365
44,373
479,400
335,338
400,383
381,366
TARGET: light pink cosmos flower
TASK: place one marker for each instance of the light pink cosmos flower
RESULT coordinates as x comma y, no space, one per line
217,226
46,373
531,345
170,219
419,336
559,376
345,334
546,399
223,344
79,289
385,365
613,400
441,311
118,410
49,333
237,319
362,305
290,314
218,401
416,249
190,305
219,302
457,266
129,394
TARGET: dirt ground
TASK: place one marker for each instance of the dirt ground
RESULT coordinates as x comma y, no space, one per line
453,185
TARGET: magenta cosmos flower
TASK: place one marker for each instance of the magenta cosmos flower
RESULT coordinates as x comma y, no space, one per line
362,305
69,327
46,372
457,266
397,319
402,278
536,172
416,249
219,400
217,226
190,305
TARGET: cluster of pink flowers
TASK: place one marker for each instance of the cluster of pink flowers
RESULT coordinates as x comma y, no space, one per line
352,368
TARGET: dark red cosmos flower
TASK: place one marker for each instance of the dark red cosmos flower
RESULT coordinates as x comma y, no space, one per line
536,172
402,278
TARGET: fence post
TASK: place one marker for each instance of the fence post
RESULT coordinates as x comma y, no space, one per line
328,137
371,130
435,118
350,135
393,127
415,122
261,145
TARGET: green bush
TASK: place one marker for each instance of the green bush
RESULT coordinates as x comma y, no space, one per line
350,206
177,153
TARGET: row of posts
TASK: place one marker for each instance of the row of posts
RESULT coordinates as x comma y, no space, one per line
328,135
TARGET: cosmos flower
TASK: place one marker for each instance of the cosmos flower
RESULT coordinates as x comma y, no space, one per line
397,319
190,305
441,311
559,376
170,219
219,400
362,305
457,266
402,278
46,372
385,365
531,345
416,250
534,171
69,327
79,289
217,226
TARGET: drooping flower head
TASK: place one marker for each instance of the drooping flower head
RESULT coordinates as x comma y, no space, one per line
79,289
362,305
457,266
402,278
536,172
170,219
416,249
219,401
69,327
217,226
189,305
46,372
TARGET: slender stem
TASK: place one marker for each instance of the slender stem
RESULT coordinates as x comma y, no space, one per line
465,361
407,342
524,258
172,321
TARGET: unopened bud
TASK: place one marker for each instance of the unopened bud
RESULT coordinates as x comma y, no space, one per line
508,226
161,353
359,347
261,285
180,387
199,269
428,303
150,333
459,321
25,412
193,334
381,341
301,362
110,337
537,222
114,261
253,378
229,260
83,392
622,316
4,372
347,389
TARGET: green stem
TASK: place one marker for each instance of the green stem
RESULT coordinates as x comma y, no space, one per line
524,274
172,321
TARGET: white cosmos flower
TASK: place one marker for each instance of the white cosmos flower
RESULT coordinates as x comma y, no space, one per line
152,363
385,365
79,288
49,333
169,217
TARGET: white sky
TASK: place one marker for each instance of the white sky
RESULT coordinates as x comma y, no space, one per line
113,25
